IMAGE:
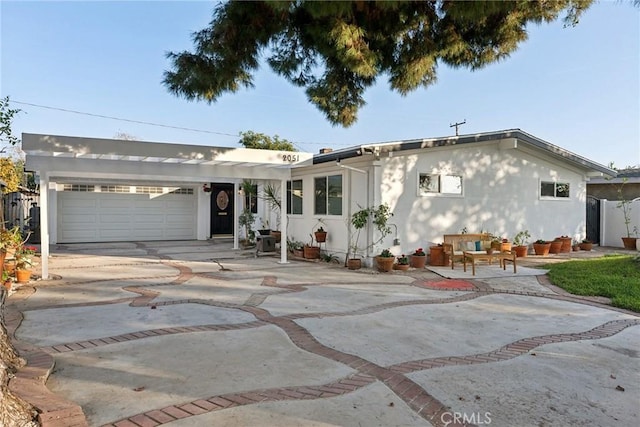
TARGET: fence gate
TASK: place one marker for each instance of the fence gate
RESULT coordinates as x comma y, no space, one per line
593,219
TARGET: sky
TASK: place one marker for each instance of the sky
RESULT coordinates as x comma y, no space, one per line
575,87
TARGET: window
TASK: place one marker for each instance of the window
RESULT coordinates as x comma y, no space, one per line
294,197
328,195
554,189
439,184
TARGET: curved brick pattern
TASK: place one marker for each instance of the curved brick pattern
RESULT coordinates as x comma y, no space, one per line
230,400
516,348
150,333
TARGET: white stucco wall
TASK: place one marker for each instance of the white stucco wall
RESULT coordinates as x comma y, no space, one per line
612,223
501,195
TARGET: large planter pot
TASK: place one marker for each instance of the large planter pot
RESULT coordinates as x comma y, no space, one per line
321,236
23,276
418,261
629,243
401,267
436,255
555,247
586,246
541,248
505,246
277,235
385,264
354,263
566,244
311,252
521,251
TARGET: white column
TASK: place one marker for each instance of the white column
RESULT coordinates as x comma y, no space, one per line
283,221
44,226
236,207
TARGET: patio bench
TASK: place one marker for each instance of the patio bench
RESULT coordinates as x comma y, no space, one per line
456,244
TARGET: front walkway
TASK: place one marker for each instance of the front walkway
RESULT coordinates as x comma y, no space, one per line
196,334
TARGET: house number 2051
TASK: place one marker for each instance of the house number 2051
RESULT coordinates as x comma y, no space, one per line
290,157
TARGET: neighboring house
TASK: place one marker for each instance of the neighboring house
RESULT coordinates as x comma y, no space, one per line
625,186
102,190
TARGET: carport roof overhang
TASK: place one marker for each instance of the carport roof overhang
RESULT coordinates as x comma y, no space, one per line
69,157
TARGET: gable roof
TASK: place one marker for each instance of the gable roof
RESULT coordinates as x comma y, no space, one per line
514,134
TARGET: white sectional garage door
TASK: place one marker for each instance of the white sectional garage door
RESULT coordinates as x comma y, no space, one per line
124,213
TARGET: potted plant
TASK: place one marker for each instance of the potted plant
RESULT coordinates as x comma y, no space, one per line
521,243
264,229
311,251
7,280
402,263
555,246
418,259
271,194
24,262
384,261
541,247
321,235
379,218
246,220
628,242
566,243
586,245
296,248
437,255
575,246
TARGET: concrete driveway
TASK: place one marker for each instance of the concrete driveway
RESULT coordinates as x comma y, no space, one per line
146,334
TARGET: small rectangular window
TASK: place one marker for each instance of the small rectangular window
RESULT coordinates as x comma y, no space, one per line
294,197
439,184
551,189
328,195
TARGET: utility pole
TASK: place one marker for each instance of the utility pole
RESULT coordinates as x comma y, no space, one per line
456,125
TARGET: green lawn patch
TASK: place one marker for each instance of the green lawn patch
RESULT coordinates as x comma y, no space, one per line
612,276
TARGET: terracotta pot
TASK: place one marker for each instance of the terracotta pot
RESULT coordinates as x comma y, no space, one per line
298,253
555,247
521,251
418,261
402,267
541,248
575,248
7,285
490,250
354,263
321,236
23,276
277,235
436,255
505,247
311,252
629,243
385,264
586,246
566,244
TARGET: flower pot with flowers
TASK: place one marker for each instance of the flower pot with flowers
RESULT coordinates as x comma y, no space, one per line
541,247
384,261
24,262
402,263
418,259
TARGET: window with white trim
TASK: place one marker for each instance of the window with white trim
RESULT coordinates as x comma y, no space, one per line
294,197
439,184
555,190
328,195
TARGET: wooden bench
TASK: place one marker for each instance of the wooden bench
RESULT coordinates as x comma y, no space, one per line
455,244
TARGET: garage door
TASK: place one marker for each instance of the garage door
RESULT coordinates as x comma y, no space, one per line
112,213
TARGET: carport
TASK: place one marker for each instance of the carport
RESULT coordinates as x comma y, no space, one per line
83,183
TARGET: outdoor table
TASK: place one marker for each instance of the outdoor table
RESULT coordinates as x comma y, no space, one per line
474,256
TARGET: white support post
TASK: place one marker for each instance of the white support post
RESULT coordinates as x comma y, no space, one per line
236,206
44,226
283,222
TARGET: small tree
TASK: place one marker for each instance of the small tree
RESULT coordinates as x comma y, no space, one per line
379,217
261,141
625,205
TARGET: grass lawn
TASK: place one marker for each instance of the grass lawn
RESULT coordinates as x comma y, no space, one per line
612,276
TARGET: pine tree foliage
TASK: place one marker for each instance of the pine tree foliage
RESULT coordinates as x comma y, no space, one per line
261,141
336,50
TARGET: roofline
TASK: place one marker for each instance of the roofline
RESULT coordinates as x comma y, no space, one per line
413,144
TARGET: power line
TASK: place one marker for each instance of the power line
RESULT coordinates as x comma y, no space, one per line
124,120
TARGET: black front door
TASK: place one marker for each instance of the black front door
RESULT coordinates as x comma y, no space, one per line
222,208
